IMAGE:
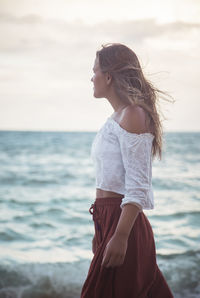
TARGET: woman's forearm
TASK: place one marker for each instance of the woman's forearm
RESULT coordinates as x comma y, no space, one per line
126,221
115,250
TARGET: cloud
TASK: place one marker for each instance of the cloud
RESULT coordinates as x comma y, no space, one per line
96,11
33,32
46,62
27,19
53,49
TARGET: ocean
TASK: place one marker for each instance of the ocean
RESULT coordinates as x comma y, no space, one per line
47,184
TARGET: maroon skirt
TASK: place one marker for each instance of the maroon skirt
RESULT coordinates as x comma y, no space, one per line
139,276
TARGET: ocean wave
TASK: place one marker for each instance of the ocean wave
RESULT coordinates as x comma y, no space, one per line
168,184
182,272
177,215
25,180
189,253
58,280
62,280
11,235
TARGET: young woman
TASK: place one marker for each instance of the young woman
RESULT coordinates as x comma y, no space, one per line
124,263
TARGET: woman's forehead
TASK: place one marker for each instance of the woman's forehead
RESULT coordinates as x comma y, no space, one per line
96,64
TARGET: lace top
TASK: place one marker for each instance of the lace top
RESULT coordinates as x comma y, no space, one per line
123,163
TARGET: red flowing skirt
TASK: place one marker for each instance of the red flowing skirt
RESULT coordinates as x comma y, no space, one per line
139,276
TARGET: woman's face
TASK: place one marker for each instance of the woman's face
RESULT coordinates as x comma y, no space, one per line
99,80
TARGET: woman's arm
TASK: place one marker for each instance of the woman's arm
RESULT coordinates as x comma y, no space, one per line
133,120
115,250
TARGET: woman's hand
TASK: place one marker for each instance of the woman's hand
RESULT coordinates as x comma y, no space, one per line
115,251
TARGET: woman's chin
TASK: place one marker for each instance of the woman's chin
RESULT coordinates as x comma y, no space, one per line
96,95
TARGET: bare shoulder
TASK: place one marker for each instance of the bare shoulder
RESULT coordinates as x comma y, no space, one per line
133,119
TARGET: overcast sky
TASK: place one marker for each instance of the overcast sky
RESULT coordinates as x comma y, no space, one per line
47,51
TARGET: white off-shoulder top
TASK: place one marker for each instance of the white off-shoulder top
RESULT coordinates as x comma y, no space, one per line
123,163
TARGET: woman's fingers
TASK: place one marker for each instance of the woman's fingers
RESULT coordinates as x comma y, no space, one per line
110,260
114,262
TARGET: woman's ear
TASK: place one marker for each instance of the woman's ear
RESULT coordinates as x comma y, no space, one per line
108,78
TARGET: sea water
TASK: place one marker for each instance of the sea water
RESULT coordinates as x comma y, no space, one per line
47,184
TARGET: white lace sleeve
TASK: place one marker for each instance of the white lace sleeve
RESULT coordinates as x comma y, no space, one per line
137,160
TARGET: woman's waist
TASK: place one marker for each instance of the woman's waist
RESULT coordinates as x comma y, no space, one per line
102,194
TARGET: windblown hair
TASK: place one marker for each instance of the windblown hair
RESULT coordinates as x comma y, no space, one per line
129,83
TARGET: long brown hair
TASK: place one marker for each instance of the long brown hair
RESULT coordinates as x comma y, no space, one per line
130,84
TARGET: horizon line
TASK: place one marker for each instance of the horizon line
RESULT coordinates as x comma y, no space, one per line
60,130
